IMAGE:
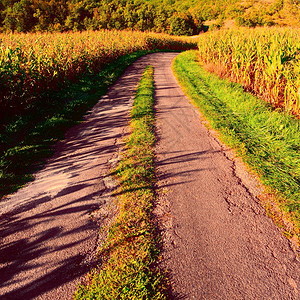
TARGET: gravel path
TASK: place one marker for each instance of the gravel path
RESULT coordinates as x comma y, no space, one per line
218,243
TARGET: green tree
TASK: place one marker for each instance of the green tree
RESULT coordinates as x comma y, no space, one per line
51,14
20,17
81,14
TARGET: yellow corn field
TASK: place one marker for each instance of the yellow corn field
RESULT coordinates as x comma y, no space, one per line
36,62
265,61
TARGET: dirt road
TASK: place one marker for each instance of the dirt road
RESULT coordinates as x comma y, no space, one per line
218,244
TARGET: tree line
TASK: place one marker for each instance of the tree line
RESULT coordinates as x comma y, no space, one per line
63,15
178,17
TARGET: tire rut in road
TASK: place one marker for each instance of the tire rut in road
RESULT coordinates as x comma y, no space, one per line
217,241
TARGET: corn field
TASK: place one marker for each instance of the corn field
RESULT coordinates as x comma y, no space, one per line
31,64
265,61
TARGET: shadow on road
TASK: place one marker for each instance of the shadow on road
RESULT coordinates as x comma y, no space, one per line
48,236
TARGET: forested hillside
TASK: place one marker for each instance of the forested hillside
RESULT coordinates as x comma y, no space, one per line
61,15
170,16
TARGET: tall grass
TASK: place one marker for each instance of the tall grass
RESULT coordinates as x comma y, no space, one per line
264,61
33,63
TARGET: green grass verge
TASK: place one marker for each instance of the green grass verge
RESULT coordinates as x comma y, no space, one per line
129,270
28,139
268,140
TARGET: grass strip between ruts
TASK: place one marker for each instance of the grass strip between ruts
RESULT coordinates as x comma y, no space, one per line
129,270
268,140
